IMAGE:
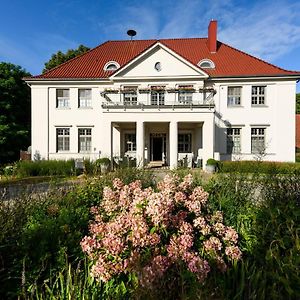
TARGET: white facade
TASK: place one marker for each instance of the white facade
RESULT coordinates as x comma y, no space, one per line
203,125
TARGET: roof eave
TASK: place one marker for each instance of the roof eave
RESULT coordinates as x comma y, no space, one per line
265,76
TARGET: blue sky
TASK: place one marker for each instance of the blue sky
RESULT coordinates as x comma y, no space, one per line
33,30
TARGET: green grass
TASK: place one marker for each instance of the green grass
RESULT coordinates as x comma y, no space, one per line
40,255
259,167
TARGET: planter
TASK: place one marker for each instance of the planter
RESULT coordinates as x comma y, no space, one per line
104,168
210,169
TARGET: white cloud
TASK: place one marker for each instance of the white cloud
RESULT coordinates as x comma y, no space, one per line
268,30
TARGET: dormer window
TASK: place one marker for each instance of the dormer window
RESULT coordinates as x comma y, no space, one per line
111,66
206,64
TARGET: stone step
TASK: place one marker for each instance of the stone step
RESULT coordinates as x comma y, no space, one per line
155,164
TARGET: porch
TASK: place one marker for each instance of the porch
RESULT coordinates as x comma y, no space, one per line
167,143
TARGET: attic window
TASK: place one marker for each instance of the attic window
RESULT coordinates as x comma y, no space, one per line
111,66
206,64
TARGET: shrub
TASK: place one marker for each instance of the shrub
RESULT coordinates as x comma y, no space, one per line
38,233
259,167
158,237
45,168
212,162
265,210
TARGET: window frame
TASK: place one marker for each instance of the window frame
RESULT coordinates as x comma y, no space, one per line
86,99
157,97
62,99
130,97
85,135
185,96
255,138
233,140
258,97
130,142
232,98
185,143
65,137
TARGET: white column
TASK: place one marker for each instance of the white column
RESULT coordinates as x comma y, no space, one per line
208,139
140,144
111,156
173,140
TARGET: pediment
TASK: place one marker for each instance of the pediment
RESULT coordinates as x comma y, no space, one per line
159,62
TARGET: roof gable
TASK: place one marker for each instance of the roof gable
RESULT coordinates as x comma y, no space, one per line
171,65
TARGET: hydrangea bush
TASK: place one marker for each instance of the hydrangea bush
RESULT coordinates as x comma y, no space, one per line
148,232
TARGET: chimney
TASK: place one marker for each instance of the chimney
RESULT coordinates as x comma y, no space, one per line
212,36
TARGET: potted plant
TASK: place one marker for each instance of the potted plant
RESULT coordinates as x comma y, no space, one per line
144,90
211,165
104,164
111,91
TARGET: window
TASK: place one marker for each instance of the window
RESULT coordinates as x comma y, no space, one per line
206,64
157,66
258,140
111,66
62,98
258,95
185,94
130,95
233,140
234,96
157,96
130,142
85,139
184,142
85,98
62,139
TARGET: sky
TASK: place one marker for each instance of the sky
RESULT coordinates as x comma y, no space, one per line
32,30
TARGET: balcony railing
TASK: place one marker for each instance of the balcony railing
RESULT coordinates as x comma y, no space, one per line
197,98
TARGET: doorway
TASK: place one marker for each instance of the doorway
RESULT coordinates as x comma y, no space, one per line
158,146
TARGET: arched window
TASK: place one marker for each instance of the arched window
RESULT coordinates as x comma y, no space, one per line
111,66
206,64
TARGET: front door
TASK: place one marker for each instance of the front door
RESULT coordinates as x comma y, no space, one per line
158,146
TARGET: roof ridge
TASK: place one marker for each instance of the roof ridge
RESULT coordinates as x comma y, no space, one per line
70,60
257,58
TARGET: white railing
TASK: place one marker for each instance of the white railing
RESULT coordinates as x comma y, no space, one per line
116,99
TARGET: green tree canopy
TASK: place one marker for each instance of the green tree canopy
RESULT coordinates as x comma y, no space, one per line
14,112
60,57
298,103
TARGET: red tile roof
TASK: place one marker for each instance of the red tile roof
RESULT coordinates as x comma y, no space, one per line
298,131
229,62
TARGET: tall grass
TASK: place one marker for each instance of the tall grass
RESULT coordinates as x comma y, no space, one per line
44,168
37,234
40,256
266,213
259,167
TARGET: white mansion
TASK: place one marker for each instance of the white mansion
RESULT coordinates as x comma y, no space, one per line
163,101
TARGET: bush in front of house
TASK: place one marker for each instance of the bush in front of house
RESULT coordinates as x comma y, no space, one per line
27,168
264,167
156,238
40,236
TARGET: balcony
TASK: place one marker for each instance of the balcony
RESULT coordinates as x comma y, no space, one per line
158,98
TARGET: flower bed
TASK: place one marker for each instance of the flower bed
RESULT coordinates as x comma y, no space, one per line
146,233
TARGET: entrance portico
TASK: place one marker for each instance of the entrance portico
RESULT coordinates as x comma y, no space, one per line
165,142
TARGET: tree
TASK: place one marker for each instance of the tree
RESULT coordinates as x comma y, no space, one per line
298,103
60,57
14,112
